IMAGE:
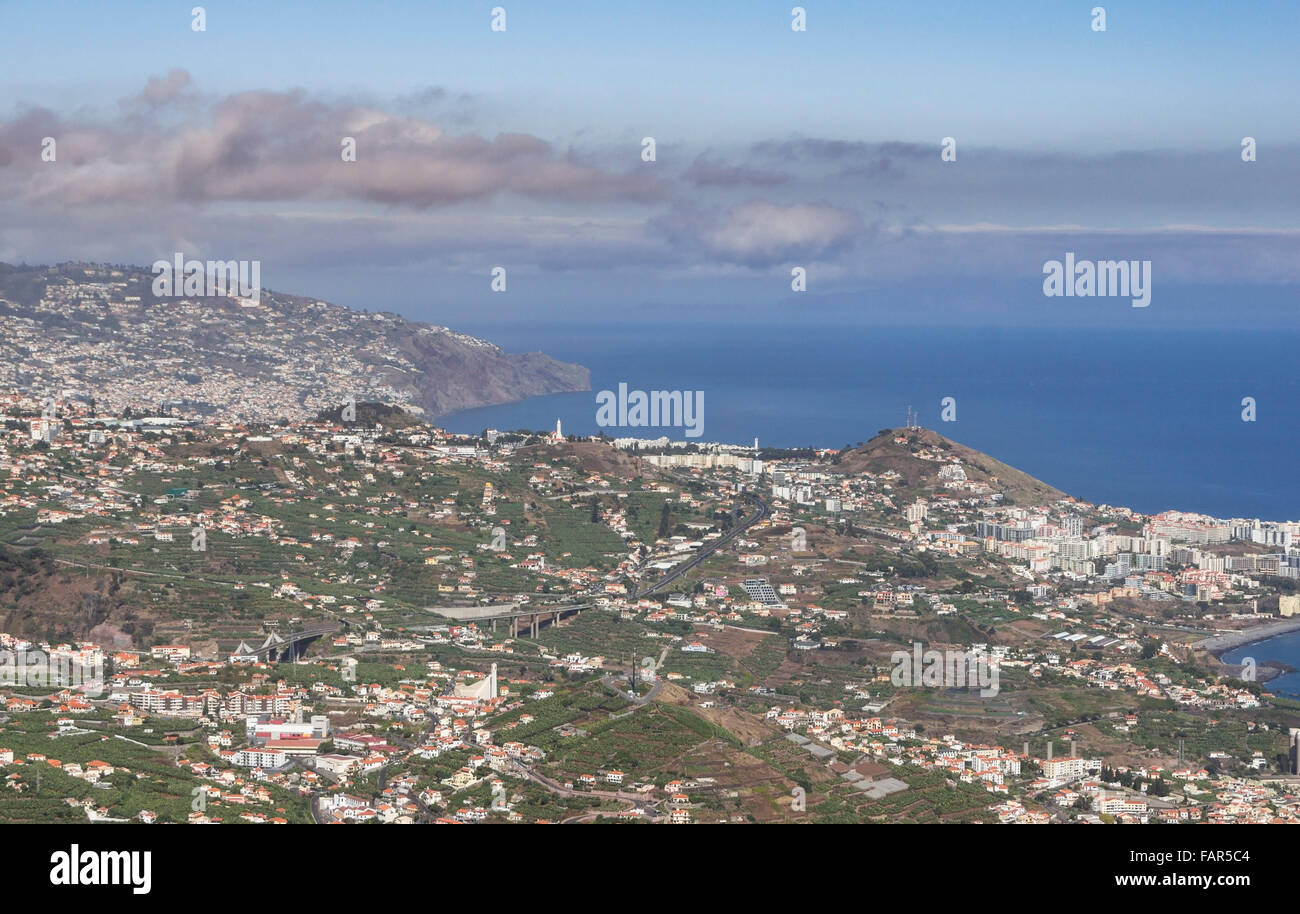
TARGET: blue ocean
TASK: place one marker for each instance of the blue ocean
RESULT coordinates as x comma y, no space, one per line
1285,648
1147,419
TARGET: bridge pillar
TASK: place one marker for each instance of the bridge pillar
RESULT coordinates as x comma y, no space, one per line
494,625
536,617
514,626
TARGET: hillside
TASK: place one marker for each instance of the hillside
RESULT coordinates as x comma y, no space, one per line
592,457
83,330
924,453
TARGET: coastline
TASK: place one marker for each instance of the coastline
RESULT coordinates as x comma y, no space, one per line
808,395
1221,644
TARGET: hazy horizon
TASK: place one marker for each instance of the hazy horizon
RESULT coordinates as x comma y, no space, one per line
775,149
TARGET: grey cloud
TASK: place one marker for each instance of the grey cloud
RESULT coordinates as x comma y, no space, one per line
259,175
264,146
160,90
706,172
761,233
804,149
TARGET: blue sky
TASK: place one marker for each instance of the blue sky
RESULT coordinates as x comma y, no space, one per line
774,148
1025,74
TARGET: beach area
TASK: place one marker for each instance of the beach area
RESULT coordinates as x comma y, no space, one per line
1265,671
1221,644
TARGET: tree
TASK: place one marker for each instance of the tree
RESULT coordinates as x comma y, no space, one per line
665,520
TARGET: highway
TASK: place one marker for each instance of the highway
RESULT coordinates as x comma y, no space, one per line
676,572
760,512
308,634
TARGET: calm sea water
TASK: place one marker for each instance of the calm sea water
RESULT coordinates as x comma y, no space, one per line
1286,648
1150,420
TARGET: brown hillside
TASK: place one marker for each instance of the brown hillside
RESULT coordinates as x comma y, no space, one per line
593,457
924,453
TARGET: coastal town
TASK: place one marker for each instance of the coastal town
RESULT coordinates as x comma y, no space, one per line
105,333
344,621
637,415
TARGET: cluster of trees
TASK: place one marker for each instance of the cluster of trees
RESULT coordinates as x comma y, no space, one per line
19,571
1155,787
665,520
